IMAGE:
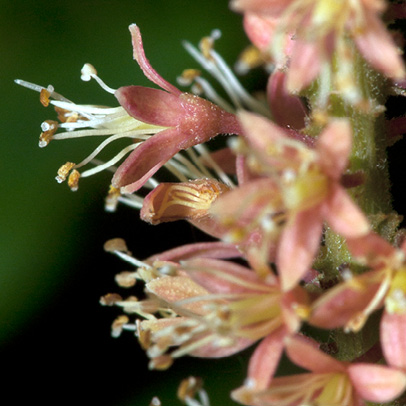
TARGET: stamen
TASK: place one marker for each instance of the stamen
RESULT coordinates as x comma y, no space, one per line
118,247
245,97
100,148
204,152
49,128
218,68
250,58
73,180
88,72
63,171
111,162
38,88
188,76
189,387
44,97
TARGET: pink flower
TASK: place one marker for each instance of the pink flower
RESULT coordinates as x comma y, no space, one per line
186,120
310,188
329,382
320,29
207,307
350,303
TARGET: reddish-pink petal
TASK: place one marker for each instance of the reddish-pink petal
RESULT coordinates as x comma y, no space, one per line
343,215
151,106
260,132
175,288
298,245
287,110
142,163
217,249
378,48
377,383
304,352
334,147
371,248
241,206
393,339
149,71
259,29
223,276
343,302
304,66
265,359
263,135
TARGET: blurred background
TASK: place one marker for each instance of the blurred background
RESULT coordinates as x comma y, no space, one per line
55,342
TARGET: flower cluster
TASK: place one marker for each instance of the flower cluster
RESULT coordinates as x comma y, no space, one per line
296,201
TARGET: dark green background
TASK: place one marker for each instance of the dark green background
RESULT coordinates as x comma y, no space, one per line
55,342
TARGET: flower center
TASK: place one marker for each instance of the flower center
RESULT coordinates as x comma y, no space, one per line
305,190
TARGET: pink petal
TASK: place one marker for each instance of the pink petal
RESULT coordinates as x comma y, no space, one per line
217,249
265,359
334,147
142,163
304,65
175,288
378,48
210,225
242,205
377,383
151,106
149,71
371,248
272,143
298,246
223,276
260,132
304,352
259,29
343,215
343,302
287,110
393,339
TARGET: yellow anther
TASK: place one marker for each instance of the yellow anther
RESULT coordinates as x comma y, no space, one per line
111,200
118,324
189,387
44,97
73,180
250,58
189,75
161,363
116,244
110,299
125,279
206,45
49,128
